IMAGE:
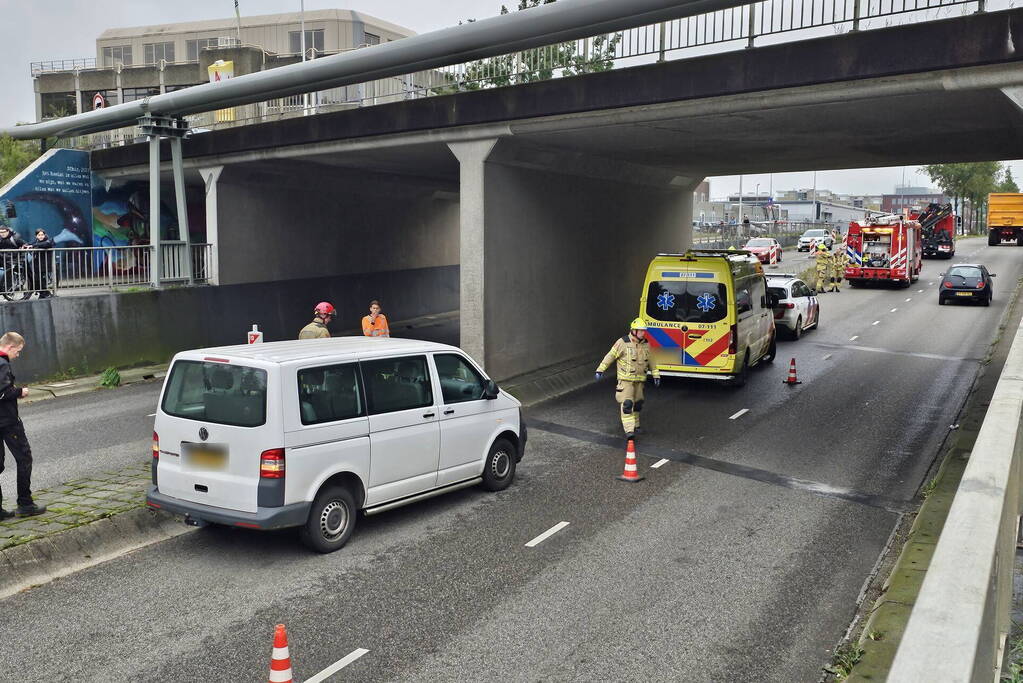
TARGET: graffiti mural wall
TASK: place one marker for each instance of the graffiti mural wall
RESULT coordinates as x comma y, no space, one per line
53,194
120,209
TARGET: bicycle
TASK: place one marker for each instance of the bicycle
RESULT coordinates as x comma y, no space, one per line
15,278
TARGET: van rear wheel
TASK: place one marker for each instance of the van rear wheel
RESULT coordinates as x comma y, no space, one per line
331,520
499,469
739,380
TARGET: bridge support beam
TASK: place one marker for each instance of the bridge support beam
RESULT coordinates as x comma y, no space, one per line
554,249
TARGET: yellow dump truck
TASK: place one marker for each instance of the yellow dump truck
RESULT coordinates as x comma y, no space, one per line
1005,218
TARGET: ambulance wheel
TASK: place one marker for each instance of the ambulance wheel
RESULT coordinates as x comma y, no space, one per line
739,380
331,520
797,331
499,468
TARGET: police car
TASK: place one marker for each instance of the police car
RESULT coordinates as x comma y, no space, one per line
798,309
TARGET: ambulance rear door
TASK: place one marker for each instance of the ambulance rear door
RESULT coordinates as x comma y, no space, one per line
688,318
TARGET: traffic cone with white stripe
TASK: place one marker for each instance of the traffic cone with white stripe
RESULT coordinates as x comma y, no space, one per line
631,472
792,374
280,662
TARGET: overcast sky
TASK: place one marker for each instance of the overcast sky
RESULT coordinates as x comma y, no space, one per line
42,30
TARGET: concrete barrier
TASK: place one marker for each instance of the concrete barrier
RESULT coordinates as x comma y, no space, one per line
960,621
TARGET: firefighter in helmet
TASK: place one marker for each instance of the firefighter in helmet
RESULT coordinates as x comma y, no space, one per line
840,259
323,313
823,267
631,356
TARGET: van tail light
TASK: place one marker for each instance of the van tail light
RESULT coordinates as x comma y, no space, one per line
733,340
271,464
156,446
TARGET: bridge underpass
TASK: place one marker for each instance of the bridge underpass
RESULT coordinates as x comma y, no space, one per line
551,197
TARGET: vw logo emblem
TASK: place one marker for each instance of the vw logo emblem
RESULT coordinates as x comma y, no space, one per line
203,433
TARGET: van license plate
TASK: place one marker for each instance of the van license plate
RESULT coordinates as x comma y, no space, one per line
964,293
206,457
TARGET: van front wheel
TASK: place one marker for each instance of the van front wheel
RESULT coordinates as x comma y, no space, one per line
499,468
331,520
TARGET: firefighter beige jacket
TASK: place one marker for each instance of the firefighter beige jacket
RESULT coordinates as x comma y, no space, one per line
633,360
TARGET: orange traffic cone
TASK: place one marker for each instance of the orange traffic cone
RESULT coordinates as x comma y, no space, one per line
631,472
792,374
280,662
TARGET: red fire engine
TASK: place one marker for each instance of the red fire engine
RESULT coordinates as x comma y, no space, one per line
884,249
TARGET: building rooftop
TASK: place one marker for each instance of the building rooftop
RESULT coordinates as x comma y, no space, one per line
230,23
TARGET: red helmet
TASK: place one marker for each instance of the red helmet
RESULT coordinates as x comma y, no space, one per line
324,308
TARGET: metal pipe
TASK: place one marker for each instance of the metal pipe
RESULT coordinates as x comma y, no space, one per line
544,25
154,208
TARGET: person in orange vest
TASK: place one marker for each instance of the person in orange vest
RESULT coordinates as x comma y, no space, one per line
631,357
375,324
317,329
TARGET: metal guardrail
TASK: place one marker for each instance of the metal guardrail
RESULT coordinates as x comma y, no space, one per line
63,65
732,28
959,623
24,272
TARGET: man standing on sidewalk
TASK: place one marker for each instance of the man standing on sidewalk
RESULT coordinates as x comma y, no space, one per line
12,431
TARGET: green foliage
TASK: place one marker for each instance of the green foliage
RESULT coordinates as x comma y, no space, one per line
1008,183
973,181
15,156
110,378
846,657
539,64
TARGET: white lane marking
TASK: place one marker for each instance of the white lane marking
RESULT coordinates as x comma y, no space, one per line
827,356
876,322
909,299
854,338
930,283
893,310
337,666
151,415
547,534
739,414
659,463
919,291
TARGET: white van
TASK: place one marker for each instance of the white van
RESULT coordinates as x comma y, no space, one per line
306,433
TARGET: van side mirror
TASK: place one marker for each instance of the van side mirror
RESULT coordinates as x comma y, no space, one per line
491,391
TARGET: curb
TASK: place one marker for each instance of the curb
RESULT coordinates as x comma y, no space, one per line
83,385
53,557
543,386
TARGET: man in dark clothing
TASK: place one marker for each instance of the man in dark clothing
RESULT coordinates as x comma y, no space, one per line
12,431
9,240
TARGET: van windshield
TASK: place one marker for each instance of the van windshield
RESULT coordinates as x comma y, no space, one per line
680,301
216,392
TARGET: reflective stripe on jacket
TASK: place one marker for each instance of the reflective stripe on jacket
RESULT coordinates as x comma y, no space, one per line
314,330
375,329
632,360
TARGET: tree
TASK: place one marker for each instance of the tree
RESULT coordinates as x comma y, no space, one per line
972,181
539,64
15,156
1008,183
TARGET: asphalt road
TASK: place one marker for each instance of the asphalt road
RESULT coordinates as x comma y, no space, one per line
739,558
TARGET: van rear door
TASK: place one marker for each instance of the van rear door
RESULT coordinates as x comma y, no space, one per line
213,425
688,326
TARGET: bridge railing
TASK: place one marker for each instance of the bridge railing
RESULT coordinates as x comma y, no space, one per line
768,21
959,624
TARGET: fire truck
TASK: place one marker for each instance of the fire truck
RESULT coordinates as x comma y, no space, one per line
938,227
886,249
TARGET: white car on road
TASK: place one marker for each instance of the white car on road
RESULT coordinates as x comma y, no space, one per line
815,237
797,309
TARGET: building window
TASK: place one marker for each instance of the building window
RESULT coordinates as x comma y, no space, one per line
154,52
117,54
172,88
132,94
372,39
58,104
193,47
313,40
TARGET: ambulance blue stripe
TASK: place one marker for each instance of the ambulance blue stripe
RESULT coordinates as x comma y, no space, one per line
662,338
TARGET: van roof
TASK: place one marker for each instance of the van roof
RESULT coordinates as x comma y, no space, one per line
302,349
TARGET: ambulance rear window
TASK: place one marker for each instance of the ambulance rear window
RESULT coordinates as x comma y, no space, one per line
683,301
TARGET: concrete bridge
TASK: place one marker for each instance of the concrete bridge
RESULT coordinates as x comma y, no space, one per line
551,197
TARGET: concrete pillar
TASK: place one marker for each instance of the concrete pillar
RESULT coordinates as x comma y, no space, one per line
181,203
472,157
78,91
156,257
210,177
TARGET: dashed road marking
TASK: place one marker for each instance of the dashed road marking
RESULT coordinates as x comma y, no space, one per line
919,291
876,322
337,666
930,283
660,463
909,299
151,415
739,414
547,534
827,357
893,310
854,337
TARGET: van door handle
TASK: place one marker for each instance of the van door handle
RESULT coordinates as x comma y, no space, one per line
429,415
449,411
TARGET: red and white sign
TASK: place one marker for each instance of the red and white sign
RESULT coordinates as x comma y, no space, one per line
255,336
99,101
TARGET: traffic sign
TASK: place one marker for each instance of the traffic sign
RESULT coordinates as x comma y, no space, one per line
255,336
99,101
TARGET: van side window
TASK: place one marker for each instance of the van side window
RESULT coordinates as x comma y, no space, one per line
328,394
459,381
216,392
394,384
743,301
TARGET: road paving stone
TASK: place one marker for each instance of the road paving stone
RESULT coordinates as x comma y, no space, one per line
79,502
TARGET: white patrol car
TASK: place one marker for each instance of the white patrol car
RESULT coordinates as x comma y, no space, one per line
798,309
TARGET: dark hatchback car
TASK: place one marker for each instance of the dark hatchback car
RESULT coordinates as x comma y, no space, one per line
966,282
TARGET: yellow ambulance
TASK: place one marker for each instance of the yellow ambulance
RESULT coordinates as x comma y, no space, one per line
708,314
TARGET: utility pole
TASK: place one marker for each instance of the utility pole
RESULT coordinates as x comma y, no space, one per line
238,21
738,218
816,214
305,95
